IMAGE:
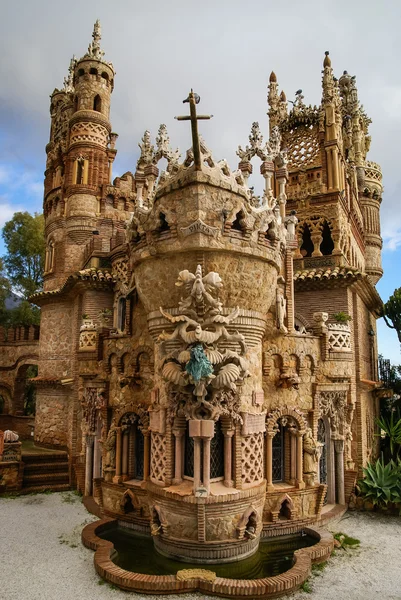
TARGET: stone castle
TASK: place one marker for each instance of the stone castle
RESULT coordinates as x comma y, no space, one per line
208,357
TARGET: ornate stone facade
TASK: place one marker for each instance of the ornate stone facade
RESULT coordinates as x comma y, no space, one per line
190,358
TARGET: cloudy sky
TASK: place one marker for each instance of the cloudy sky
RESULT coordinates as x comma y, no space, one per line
225,50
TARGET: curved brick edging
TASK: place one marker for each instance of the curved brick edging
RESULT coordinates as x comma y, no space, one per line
269,587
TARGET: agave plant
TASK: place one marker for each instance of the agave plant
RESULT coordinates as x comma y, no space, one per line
381,483
392,429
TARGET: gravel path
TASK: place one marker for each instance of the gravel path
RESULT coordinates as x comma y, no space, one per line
41,556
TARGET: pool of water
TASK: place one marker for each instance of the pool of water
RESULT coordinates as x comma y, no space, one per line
135,552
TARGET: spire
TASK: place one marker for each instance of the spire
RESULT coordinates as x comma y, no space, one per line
94,50
69,80
327,59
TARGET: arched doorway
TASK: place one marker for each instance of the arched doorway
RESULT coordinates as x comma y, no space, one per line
326,459
24,397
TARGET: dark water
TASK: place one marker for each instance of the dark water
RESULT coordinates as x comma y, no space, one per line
136,553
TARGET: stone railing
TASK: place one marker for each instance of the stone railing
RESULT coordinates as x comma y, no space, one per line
339,337
373,171
19,334
88,336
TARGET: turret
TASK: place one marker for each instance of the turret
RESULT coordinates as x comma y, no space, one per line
80,155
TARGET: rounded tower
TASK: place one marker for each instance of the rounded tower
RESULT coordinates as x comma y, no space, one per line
79,158
88,159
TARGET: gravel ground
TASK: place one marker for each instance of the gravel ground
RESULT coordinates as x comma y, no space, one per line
41,556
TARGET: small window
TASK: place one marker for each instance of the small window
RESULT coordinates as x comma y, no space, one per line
122,306
307,244
81,72
97,103
278,455
93,71
80,171
327,245
105,76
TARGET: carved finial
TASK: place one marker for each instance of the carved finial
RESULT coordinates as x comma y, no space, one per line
327,59
69,80
94,50
283,97
273,78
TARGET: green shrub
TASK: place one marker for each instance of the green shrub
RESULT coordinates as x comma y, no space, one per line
342,317
381,483
392,429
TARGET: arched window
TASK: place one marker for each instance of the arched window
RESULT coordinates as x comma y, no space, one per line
75,103
278,455
105,76
80,171
81,72
133,447
97,103
217,453
164,226
49,258
189,454
122,307
93,71
307,244
327,245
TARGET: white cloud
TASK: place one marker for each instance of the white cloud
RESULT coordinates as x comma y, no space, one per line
6,212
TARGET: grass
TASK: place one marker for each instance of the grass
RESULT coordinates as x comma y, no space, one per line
345,540
306,587
101,582
319,567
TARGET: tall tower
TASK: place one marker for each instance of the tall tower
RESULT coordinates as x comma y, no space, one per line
79,158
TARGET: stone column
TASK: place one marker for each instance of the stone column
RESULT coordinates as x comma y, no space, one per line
146,454
336,181
125,446
299,481
97,453
89,465
228,454
117,477
197,462
339,448
178,434
206,463
269,460
329,169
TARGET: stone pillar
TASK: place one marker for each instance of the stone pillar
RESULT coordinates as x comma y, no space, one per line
117,477
269,460
206,463
178,462
197,463
336,181
339,448
125,446
299,480
267,170
329,169
89,465
228,454
97,453
146,455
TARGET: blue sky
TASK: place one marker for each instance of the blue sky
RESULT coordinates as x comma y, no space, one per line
224,49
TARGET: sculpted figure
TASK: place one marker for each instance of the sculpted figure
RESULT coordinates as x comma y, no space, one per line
281,310
310,453
110,447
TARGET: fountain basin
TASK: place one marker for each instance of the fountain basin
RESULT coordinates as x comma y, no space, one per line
259,575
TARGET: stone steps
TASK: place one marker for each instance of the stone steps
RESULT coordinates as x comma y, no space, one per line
45,470
34,468
44,478
37,489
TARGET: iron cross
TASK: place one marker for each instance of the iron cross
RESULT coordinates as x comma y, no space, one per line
193,100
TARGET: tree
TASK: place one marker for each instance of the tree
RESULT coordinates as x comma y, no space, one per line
392,312
24,239
5,290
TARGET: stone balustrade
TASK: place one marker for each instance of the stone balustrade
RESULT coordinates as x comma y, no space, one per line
339,337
